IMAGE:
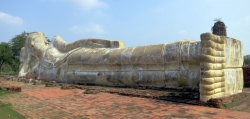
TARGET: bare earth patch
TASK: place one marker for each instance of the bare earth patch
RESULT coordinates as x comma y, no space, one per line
38,101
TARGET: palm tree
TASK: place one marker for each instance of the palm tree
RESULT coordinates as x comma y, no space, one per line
219,28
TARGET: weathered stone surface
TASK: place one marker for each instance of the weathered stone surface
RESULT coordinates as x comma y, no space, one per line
221,60
213,63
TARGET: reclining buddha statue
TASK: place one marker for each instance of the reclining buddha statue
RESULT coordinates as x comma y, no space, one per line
212,65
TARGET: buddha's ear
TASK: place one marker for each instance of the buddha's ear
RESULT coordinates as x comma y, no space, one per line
32,43
45,41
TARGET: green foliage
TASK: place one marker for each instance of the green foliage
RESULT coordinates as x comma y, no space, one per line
246,85
16,43
217,19
247,60
3,91
6,68
48,39
12,49
5,54
8,73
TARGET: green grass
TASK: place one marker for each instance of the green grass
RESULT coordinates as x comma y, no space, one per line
8,73
68,87
51,85
3,91
6,112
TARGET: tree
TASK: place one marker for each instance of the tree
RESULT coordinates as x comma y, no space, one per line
247,60
16,43
219,28
5,54
48,39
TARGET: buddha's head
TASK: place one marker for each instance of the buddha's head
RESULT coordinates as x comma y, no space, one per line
30,55
36,43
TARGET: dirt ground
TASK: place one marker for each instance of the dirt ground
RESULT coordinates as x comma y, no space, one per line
40,102
241,104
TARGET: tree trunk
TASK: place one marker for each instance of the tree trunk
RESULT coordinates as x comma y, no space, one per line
1,64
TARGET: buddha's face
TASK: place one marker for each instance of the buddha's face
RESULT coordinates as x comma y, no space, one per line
37,44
